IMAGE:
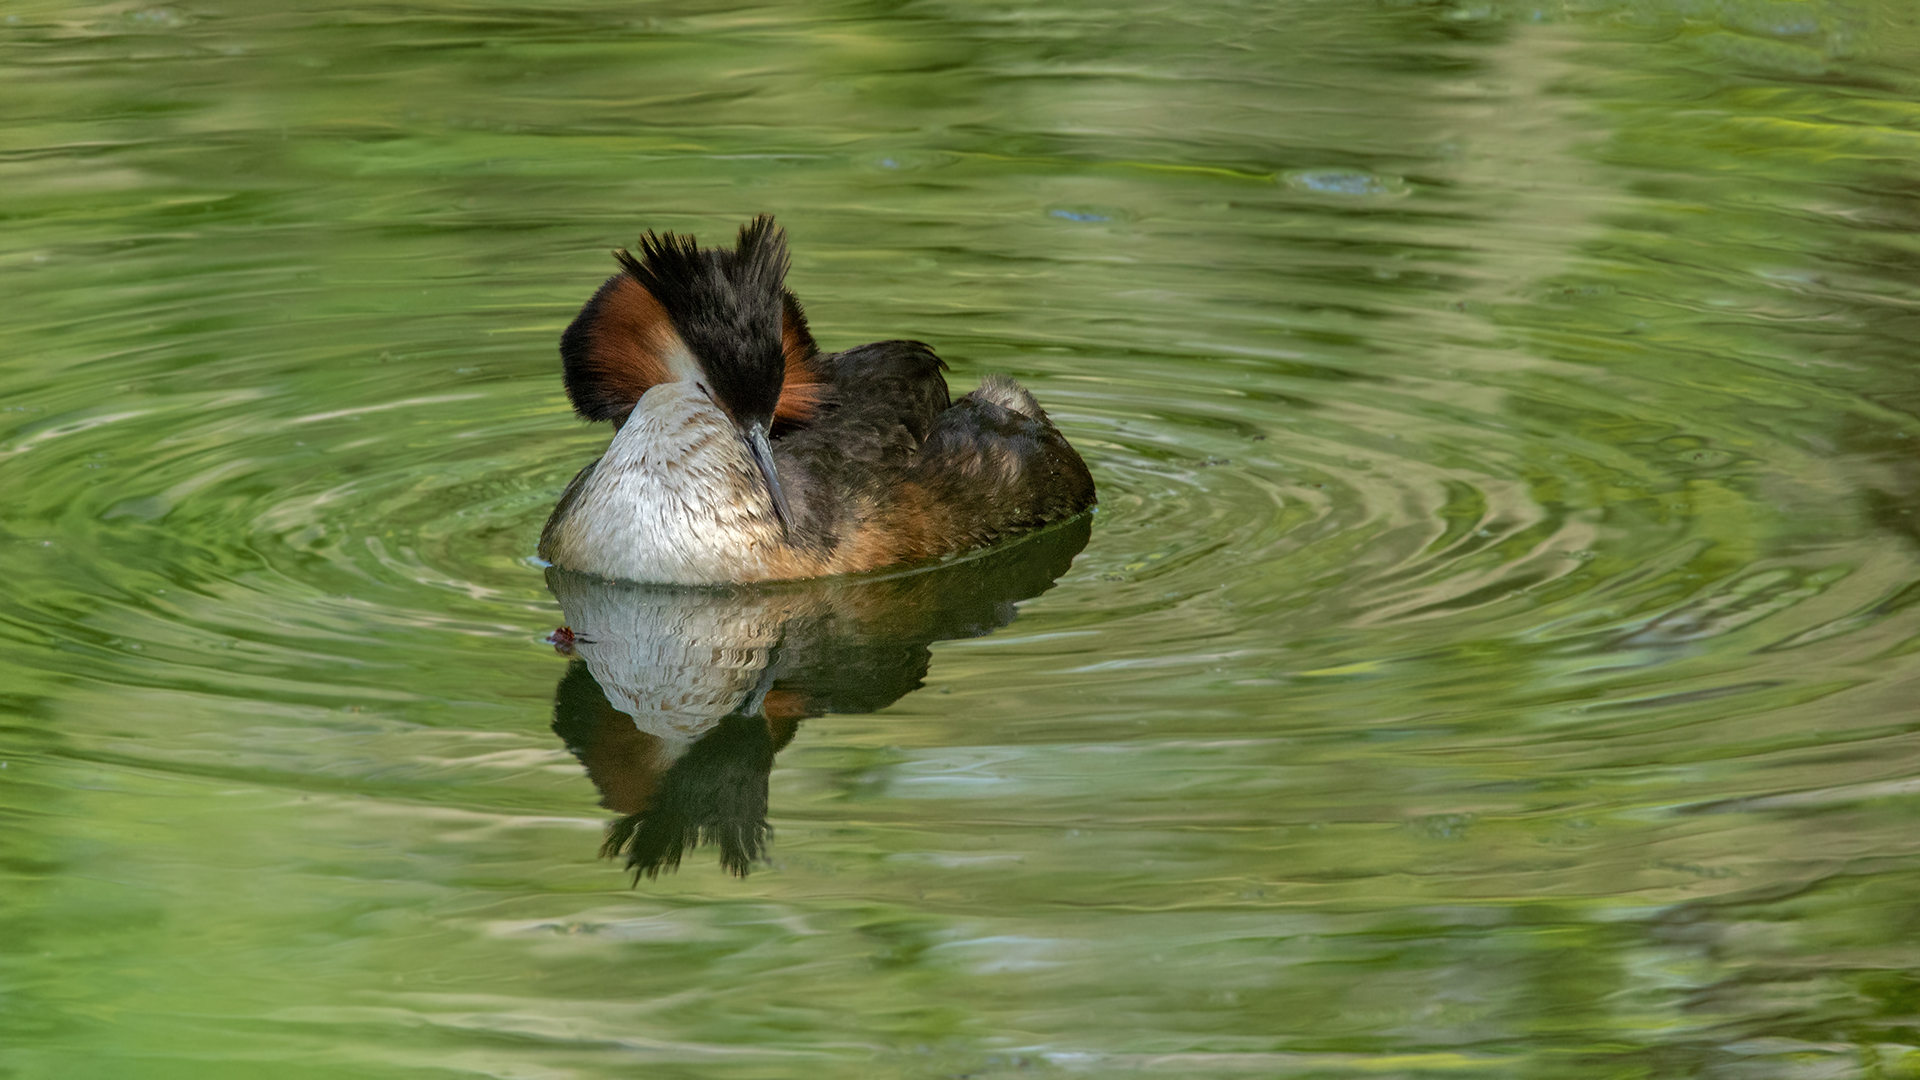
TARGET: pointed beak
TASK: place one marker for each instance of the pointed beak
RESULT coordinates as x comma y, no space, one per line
762,454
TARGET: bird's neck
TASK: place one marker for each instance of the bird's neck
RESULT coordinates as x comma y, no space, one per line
675,499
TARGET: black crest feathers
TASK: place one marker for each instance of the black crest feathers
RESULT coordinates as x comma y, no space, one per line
679,310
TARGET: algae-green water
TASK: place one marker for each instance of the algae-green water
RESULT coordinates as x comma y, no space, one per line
1496,652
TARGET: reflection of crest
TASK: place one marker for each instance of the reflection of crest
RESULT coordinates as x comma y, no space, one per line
678,698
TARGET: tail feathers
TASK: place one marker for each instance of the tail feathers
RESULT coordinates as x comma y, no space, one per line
1003,391
995,465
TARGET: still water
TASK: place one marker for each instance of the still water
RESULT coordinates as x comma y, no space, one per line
1496,652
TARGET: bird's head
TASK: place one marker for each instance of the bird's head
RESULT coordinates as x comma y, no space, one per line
720,319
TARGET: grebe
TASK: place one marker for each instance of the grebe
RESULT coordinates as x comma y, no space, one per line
743,453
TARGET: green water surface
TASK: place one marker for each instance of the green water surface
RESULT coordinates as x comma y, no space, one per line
1497,652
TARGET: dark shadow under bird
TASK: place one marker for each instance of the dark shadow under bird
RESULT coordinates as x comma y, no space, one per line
742,453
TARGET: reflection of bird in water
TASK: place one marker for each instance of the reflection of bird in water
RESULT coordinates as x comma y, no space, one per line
677,698
741,452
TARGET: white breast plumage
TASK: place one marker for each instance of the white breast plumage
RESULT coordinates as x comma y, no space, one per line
675,499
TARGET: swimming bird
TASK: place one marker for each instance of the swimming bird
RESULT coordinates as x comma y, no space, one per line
743,453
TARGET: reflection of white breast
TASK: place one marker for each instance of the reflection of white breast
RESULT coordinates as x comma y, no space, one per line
674,499
676,660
